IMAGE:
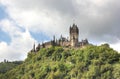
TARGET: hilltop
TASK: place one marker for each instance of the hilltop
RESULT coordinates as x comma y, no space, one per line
90,62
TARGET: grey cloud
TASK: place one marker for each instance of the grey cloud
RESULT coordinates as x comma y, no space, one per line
62,6
98,21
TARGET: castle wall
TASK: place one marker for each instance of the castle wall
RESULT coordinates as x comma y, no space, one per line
65,43
48,44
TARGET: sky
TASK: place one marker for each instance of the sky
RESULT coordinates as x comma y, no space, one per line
23,22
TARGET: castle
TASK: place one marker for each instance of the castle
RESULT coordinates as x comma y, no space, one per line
64,42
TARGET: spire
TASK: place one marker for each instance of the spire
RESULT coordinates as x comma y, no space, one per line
54,38
34,47
70,29
61,36
38,47
74,26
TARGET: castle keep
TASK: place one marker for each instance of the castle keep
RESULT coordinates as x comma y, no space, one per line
62,41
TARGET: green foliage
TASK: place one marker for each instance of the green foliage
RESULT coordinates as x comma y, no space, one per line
6,66
90,62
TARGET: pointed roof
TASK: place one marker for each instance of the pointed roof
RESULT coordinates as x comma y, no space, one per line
74,26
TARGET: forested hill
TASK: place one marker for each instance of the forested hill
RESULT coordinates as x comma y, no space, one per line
90,62
7,65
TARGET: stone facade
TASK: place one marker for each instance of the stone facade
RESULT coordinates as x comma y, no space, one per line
65,42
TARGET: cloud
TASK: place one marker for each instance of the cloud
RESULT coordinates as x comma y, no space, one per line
116,46
97,20
20,45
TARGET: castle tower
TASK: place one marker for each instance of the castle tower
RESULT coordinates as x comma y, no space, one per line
74,35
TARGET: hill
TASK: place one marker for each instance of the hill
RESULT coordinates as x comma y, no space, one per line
6,66
90,62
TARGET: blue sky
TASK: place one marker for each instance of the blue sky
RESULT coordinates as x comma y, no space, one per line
3,36
2,12
40,37
22,24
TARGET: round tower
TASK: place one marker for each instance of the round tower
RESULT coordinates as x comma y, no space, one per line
74,35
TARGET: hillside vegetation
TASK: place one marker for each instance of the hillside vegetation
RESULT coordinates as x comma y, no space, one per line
6,66
90,62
